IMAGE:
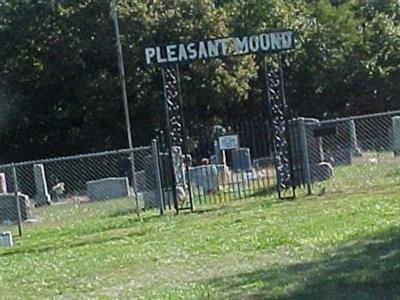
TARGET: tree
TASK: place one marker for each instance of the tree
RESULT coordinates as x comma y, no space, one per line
59,74
60,56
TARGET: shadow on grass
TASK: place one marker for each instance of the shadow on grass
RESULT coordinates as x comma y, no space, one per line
75,243
94,233
143,217
368,268
208,209
266,192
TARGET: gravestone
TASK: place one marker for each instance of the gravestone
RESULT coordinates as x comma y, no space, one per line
3,183
205,176
140,181
9,207
108,188
6,239
42,196
353,138
396,135
241,159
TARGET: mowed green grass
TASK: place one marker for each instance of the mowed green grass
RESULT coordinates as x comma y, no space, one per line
336,246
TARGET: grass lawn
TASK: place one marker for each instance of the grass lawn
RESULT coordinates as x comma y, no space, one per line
337,246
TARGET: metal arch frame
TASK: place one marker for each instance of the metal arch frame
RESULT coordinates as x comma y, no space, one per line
278,118
176,130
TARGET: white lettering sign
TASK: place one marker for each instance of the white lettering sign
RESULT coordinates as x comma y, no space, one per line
227,142
183,53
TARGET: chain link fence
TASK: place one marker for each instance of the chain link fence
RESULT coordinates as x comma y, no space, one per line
66,191
354,155
349,155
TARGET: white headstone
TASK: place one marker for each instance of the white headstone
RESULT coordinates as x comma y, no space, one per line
42,196
3,184
6,239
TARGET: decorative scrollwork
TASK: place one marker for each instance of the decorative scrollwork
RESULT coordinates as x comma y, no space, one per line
277,106
175,121
174,112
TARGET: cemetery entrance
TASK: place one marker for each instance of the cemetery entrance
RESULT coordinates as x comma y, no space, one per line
234,167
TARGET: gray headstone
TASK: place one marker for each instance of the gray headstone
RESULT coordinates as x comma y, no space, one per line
205,176
141,181
241,159
108,188
42,196
353,135
9,208
396,135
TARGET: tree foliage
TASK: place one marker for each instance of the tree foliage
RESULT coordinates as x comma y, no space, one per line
59,86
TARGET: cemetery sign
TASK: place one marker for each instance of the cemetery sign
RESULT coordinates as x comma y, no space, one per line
228,142
220,47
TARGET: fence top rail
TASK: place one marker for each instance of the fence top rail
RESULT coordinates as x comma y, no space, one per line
354,118
75,157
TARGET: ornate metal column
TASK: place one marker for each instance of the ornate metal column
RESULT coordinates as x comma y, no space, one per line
176,138
280,128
